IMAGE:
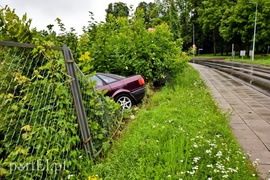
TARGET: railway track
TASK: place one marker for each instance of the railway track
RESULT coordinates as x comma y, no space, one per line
254,75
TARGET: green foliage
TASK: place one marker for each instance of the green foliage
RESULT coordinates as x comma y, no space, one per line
39,123
150,13
126,47
12,28
117,9
238,23
192,140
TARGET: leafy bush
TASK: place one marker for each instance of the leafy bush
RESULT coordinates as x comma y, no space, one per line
126,47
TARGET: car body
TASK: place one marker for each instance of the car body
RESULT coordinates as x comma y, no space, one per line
127,91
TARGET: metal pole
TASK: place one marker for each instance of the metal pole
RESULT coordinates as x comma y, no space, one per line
78,102
193,38
193,35
254,35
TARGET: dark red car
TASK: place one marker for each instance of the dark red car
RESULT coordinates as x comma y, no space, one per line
127,91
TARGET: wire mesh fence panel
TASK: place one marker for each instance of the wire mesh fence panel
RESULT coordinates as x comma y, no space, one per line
40,135
103,115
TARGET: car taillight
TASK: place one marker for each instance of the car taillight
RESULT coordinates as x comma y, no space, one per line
141,81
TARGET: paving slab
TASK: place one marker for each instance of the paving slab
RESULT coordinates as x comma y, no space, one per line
250,114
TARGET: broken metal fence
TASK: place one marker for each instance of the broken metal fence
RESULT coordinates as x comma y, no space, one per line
47,108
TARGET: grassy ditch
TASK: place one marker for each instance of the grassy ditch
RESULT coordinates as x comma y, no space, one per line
179,134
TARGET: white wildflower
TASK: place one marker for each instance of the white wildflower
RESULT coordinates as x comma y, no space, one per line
219,154
196,159
213,145
225,176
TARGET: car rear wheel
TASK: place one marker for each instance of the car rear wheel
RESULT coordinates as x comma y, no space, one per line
125,101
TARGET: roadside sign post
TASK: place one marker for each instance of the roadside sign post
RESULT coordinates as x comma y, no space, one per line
200,49
242,53
233,52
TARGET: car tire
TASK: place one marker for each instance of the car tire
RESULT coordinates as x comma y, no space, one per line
124,100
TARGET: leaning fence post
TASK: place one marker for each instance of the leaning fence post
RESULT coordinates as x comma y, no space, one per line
78,103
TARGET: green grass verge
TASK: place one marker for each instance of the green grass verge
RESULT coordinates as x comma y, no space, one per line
258,59
180,134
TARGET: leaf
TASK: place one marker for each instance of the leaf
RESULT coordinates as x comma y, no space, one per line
26,128
106,145
20,150
3,172
14,107
10,96
25,135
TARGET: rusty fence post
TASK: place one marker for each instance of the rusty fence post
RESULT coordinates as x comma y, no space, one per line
78,102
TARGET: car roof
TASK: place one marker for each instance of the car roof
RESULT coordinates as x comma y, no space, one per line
111,75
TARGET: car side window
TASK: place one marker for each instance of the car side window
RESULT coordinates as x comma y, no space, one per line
98,81
107,79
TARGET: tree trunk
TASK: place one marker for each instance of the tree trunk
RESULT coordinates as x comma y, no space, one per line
247,48
221,51
227,49
214,41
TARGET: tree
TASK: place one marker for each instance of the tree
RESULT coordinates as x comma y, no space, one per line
151,16
210,17
118,9
238,24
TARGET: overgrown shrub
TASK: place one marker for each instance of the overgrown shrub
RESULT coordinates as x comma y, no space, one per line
126,47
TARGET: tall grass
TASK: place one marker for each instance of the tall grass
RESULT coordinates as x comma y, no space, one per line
179,134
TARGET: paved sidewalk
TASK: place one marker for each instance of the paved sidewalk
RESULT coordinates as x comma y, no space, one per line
251,114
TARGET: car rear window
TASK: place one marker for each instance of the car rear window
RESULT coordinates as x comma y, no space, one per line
107,79
98,81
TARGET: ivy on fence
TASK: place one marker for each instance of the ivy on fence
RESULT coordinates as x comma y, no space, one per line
39,133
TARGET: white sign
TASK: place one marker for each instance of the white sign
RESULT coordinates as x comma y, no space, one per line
250,53
242,53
